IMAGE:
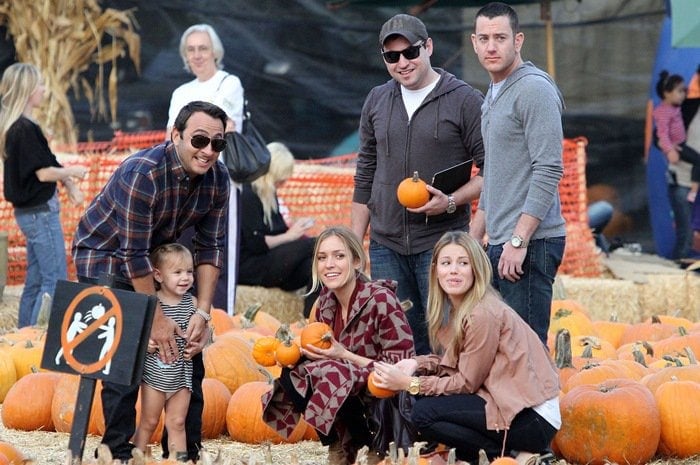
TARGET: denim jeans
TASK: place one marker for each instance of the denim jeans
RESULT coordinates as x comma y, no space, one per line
411,273
682,210
46,256
531,295
459,421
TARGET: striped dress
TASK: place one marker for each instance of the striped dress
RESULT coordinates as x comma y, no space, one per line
178,375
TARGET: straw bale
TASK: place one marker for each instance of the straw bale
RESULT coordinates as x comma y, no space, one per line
602,297
286,306
664,294
693,305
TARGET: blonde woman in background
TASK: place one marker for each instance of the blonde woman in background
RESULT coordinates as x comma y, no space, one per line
273,254
31,174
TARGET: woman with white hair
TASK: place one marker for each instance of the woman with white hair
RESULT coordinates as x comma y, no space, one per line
202,54
273,254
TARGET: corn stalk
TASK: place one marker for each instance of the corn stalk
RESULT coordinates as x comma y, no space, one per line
63,38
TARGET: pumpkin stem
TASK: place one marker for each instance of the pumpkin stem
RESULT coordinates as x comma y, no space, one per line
284,334
691,355
562,349
416,178
639,356
613,317
655,319
452,456
682,331
249,314
393,453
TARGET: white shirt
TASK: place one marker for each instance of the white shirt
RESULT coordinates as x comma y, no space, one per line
413,98
225,93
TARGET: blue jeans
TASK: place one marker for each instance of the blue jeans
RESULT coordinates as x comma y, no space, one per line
531,295
411,273
46,256
682,210
459,421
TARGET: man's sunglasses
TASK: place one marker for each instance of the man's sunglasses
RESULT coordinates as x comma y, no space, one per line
410,53
199,141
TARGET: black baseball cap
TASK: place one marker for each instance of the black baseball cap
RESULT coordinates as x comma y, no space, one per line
406,26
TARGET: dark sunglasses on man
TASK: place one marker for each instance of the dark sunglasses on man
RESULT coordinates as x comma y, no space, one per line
200,141
410,53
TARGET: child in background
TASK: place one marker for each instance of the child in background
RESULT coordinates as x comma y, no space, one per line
168,386
670,129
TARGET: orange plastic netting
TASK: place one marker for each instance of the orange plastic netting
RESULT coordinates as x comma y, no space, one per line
321,189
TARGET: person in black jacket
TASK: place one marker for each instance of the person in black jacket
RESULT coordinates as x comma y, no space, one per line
31,174
273,254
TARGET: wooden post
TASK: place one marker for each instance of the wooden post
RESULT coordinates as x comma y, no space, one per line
546,16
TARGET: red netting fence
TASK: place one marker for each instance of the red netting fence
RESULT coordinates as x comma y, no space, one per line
321,189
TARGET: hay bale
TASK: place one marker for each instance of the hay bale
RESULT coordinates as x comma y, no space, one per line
664,294
693,304
602,297
286,306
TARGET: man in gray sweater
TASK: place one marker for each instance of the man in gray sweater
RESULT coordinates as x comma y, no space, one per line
519,208
424,119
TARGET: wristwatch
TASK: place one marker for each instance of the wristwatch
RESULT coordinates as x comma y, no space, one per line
206,316
451,205
518,242
414,386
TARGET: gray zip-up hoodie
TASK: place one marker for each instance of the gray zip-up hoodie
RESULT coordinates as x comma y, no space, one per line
523,142
444,130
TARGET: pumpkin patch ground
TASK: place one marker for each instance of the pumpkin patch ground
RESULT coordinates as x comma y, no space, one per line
49,448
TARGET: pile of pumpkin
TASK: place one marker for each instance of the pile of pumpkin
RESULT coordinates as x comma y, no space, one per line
630,391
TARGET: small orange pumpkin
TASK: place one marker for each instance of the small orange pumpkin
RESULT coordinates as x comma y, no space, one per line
412,192
287,353
377,391
505,461
317,334
264,350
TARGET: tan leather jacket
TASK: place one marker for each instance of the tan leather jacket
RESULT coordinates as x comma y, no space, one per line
501,359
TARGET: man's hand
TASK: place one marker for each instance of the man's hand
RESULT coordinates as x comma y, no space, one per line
510,265
163,334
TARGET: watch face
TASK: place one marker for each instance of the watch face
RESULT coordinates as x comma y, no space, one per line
451,209
516,242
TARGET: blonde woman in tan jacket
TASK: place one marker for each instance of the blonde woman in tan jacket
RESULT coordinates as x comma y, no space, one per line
489,383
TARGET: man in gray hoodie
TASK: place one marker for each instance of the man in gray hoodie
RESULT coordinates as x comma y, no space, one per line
519,208
424,119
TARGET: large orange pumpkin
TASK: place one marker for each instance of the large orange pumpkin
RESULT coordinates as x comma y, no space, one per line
614,421
229,360
221,322
216,398
317,334
13,455
63,405
27,406
684,373
244,417
254,317
679,407
8,373
412,192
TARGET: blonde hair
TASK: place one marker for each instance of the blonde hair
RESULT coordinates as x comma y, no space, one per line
18,83
438,299
281,168
351,242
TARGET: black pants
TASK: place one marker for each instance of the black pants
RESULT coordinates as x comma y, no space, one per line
119,407
691,156
459,421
